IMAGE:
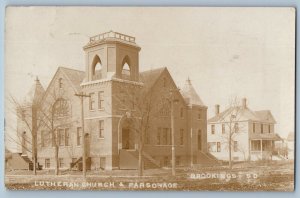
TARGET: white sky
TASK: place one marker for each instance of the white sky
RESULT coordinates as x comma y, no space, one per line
243,52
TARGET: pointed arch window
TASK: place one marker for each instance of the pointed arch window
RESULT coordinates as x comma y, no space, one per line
126,72
96,68
61,108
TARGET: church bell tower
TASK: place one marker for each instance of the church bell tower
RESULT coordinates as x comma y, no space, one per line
112,55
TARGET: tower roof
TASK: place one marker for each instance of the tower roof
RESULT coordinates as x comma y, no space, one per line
190,95
35,93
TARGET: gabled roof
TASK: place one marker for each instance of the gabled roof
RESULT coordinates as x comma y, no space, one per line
149,77
265,115
244,115
75,76
190,95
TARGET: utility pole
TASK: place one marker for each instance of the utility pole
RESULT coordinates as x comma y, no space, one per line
173,100
192,155
82,95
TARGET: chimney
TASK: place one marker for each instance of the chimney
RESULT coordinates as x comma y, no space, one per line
244,103
217,109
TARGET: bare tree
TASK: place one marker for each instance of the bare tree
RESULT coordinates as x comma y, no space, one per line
230,118
28,115
55,114
136,103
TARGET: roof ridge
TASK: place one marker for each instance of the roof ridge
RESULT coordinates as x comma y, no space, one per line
63,67
155,69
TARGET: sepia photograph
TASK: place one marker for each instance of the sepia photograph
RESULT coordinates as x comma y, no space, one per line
150,98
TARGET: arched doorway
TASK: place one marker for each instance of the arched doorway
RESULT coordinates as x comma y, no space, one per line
128,154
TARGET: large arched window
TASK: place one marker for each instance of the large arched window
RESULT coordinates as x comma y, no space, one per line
61,108
126,67
96,68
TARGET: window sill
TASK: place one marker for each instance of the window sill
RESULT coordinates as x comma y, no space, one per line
101,138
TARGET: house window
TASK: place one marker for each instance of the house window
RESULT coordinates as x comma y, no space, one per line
61,137
67,137
166,161
165,136
213,129
212,147
147,141
218,146
101,128
47,163
177,160
181,112
53,139
261,128
60,83
253,127
236,127
223,128
79,136
92,101
269,128
235,146
43,133
199,139
61,162
100,100
45,138
199,114
158,136
181,136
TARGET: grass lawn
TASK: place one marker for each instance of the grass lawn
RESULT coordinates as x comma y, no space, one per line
254,176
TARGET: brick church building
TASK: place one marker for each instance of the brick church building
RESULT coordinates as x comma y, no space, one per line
123,109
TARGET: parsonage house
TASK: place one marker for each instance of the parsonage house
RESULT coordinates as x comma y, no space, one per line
123,109
249,134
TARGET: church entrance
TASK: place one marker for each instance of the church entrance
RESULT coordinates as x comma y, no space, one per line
127,139
128,153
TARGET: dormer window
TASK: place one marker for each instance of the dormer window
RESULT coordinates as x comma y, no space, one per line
60,83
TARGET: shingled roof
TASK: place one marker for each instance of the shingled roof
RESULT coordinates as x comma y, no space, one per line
190,95
245,114
149,77
75,76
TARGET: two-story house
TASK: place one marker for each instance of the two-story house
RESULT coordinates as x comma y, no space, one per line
249,134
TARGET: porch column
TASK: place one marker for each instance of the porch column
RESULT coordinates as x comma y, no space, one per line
271,148
250,149
261,148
